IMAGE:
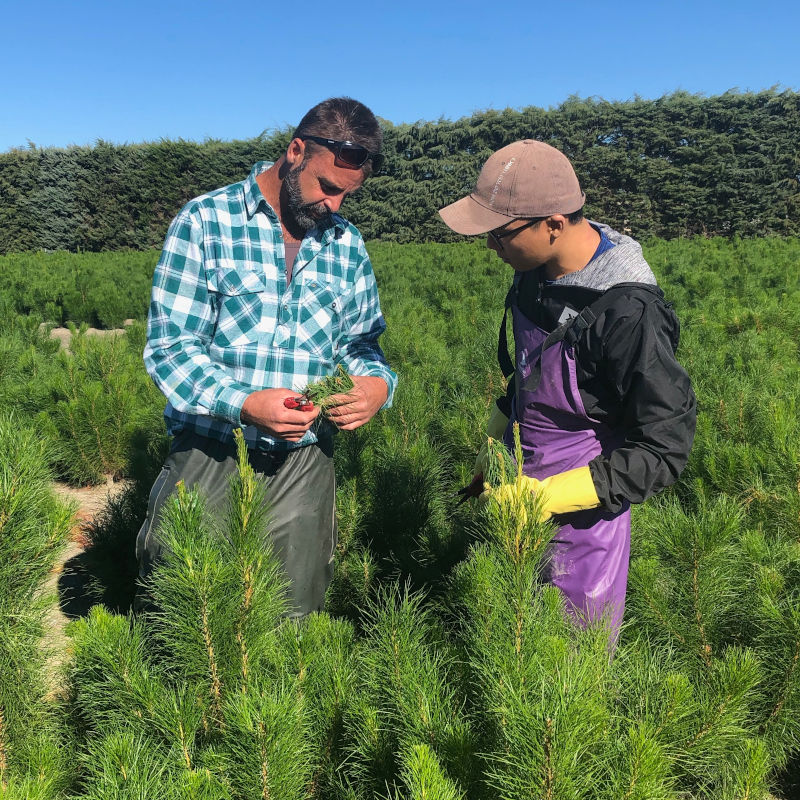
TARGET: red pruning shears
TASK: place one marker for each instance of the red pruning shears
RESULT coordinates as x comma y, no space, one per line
301,403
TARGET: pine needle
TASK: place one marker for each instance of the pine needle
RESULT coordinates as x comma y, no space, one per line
320,392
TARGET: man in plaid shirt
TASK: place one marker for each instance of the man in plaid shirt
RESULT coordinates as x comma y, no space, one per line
261,289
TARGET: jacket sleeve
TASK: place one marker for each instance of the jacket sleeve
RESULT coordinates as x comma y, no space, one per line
658,406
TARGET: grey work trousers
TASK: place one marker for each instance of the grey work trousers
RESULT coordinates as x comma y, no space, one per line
301,492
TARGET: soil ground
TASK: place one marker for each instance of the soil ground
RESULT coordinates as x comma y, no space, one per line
64,335
68,583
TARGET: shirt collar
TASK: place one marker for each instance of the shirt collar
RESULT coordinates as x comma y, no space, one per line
253,198
252,194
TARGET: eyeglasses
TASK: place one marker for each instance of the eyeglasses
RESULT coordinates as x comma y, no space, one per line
348,154
503,231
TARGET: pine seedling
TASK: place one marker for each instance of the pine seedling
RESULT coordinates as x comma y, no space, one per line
354,580
266,741
726,698
541,681
546,688
408,679
638,766
318,653
354,569
500,466
113,684
693,589
424,777
514,523
749,773
410,522
261,591
96,405
33,525
33,529
779,641
201,784
192,588
116,687
654,714
126,766
773,630
369,745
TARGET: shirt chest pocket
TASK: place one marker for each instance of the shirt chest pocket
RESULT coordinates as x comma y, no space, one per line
318,321
241,298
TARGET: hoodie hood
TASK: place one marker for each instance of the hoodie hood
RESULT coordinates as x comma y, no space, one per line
623,263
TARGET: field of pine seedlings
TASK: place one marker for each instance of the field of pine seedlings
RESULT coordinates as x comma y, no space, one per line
441,669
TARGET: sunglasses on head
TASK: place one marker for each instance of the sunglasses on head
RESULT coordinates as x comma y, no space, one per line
349,154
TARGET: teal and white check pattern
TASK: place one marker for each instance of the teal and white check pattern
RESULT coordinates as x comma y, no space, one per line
223,323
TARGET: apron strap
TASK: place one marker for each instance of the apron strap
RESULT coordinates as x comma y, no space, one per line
503,358
572,330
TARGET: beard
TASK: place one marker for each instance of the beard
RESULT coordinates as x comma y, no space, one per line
301,216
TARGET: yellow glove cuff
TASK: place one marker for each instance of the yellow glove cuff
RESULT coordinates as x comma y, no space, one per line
569,491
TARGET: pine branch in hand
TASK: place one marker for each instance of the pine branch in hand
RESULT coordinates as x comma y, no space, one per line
320,391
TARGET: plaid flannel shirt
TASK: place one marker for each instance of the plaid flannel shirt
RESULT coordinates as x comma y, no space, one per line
223,323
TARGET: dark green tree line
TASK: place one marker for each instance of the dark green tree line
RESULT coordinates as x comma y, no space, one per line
680,165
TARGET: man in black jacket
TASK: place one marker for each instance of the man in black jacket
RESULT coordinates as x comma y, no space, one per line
606,413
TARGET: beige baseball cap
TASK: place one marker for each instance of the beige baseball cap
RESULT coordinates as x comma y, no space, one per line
522,180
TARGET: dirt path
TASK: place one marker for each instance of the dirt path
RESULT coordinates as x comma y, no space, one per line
68,583
64,335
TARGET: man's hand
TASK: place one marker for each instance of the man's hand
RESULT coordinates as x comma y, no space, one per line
350,411
265,410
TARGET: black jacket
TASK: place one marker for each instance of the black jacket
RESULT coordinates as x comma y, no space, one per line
628,378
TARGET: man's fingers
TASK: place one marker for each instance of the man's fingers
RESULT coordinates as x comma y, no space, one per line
344,410
339,400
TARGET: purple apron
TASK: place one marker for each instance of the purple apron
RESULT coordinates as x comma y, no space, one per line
588,557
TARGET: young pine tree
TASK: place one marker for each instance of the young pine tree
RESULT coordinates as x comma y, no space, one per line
34,526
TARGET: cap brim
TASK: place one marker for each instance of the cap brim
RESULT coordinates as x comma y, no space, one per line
469,217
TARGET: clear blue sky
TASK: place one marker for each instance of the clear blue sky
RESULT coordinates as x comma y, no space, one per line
73,73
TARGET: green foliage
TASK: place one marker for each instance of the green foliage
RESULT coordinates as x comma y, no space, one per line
680,165
470,681
214,694
101,291
408,695
338,383
97,407
93,402
500,467
33,529
424,778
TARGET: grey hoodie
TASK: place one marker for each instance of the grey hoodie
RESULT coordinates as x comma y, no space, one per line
623,263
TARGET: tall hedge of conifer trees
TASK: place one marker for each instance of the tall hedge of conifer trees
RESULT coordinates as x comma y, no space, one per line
680,165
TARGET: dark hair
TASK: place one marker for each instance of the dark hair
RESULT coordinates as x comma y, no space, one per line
575,217
345,119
